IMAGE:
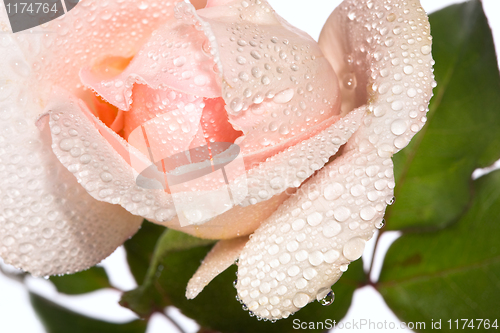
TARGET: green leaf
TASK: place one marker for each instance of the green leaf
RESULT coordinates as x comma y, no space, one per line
145,299
453,273
140,249
433,173
216,307
57,319
87,281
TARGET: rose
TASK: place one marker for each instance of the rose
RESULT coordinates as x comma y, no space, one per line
50,224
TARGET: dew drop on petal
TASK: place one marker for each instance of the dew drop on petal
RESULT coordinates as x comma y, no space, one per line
300,300
353,249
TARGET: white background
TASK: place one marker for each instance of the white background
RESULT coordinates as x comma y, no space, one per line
16,314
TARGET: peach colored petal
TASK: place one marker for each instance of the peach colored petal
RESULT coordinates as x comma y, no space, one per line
170,119
174,57
274,75
85,36
222,255
236,222
48,223
100,159
215,3
392,59
314,235
215,123
290,168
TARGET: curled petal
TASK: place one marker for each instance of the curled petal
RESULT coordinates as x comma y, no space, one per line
288,169
49,224
222,255
269,82
309,241
385,48
101,160
87,35
313,236
174,57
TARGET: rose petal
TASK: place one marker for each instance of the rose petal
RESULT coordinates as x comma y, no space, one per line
324,226
236,222
165,116
173,57
48,223
270,80
101,160
391,42
87,35
313,236
291,167
215,123
222,255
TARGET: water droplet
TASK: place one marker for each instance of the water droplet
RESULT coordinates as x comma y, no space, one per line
85,159
180,61
426,49
298,224
367,213
349,81
236,105
341,213
256,72
344,267
300,300
106,177
353,249
314,219
66,144
391,17
8,240
325,296
265,80
273,249
26,247
164,214
284,129
398,127
143,5
333,191
284,96
241,60
316,258
106,15
380,224
243,76
255,54
301,255
285,258
408,69
200,80
331,256
292,246
397,105
331,229
411,92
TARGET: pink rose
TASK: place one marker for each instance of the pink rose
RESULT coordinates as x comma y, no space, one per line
315,171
